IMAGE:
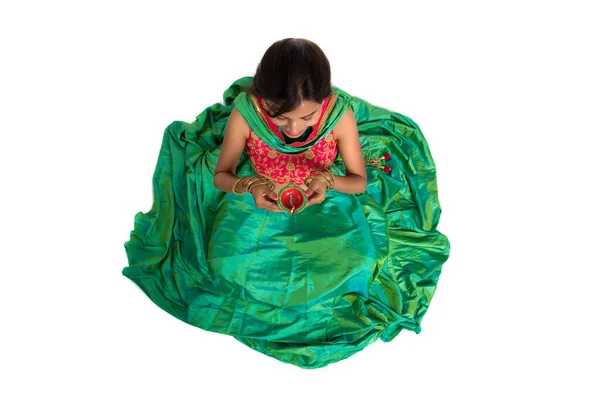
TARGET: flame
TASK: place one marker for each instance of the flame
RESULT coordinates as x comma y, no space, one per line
292,203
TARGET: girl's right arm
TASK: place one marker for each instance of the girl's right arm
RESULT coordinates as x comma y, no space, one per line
234,141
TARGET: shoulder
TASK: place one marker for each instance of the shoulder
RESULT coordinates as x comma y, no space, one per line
346,125
348,117
237,125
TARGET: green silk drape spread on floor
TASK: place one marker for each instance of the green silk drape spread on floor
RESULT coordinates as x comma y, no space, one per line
308,289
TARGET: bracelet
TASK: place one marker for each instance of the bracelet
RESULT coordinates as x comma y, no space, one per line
326,175
329,177
234,185
256,181
308,181
255,185
249,182
323,176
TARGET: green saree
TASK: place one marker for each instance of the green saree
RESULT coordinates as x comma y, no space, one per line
308,289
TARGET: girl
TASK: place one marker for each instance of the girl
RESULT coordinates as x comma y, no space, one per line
294,80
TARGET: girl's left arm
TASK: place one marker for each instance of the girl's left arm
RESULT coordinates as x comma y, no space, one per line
346,134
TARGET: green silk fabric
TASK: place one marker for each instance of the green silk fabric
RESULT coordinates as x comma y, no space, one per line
308,289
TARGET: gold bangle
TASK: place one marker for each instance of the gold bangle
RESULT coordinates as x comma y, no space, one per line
234,185
324,176
308,181
327,175
249,182
255,185
256,181
324,180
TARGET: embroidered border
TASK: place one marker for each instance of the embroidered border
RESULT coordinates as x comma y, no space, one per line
258,110
327,111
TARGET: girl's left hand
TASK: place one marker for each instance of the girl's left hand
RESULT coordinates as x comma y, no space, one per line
316,192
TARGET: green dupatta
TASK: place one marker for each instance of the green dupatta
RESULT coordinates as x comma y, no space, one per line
249,109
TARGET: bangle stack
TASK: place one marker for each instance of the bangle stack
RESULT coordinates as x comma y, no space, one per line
234,185
252,183
324,176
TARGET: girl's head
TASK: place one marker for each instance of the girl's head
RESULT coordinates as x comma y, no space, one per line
294,78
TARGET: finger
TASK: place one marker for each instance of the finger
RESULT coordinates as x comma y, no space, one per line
315,199
269,205
274,208
315,195
272,196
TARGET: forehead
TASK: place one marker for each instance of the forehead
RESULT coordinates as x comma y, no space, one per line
305,108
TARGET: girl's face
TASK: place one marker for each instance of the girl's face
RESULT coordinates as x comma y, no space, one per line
296,121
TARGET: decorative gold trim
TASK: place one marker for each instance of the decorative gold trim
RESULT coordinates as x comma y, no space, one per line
327,112
304,153
258,110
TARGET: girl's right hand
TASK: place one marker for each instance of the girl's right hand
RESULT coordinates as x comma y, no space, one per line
265,198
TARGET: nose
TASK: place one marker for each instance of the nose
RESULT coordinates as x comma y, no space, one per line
293,128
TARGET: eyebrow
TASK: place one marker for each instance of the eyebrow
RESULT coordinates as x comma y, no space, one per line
306,116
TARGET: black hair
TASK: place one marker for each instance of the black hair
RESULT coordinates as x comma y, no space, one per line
292,70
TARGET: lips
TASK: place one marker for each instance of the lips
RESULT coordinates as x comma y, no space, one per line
291,134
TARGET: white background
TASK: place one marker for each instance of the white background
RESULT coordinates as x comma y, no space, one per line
506,93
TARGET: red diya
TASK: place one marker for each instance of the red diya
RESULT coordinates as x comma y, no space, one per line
291,199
